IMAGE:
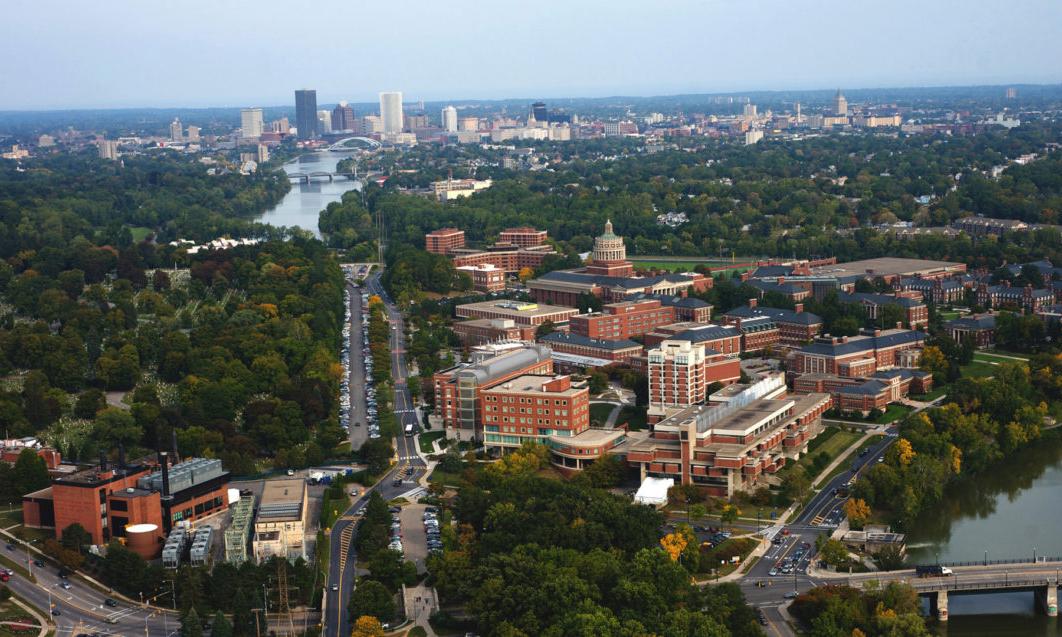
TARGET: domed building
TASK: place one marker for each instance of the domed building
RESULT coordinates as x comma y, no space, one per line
610,277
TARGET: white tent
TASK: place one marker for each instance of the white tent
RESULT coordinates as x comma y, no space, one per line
654,491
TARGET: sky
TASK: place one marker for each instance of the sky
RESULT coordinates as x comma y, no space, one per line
57,54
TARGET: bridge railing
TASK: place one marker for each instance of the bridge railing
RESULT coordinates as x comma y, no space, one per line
1039,559
933,584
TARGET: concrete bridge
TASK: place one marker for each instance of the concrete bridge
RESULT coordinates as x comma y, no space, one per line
1042,578
320,174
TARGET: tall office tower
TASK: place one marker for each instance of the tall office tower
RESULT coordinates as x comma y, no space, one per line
251,123
342,117
1012,93
749,110
306,113
449,119
193,133
108,149
391,111
280,125
324,121
176,132
840,104
539,112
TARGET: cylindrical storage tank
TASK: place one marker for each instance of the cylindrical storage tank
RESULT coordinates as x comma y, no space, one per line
234,496
143,539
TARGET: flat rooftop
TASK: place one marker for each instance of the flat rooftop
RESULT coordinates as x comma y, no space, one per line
533,384
515,309
888,266
282,500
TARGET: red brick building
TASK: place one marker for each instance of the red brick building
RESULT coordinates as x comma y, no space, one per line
725,339
726,448
623,320
616,350
533,408
795,327
980,329
486,277
480,331
915,311
444,240
521,313
866,395
680,372
523,237
856,356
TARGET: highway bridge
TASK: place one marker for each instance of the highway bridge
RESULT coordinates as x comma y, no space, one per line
1040,578
304,177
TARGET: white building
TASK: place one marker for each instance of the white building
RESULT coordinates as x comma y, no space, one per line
391,111
324,121
251,123
753,136
449,119
280,526
176,131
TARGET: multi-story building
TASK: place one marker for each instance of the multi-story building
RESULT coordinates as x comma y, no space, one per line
589,352
915,311
458,389
444,240
1027,299
728,447
725,339
280,527
979,329
391,112
176,131
857,356
795,327
479,331
108,149
520,312
251,123
451,189
865,395
105,499
533,408
680,372
523,237
687,308
610,277
623,320
343,118
306,113
507,257
449,119
978,226
938,291
486,277
757,333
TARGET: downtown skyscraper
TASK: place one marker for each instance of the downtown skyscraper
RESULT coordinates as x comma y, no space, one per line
391,111
306,113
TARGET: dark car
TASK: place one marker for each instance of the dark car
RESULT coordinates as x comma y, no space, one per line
11,547
110,602
38,563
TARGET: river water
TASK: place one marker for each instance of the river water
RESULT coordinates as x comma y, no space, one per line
305,201
1009,511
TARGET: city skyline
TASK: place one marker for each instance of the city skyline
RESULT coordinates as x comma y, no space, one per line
805,46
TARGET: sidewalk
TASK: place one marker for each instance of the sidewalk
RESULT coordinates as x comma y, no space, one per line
419,603
41,620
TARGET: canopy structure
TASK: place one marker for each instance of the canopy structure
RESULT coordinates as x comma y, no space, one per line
654,491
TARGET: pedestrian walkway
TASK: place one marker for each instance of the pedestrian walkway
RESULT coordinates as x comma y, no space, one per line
420,602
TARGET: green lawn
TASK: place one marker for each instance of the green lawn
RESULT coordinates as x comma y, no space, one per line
933,395
599,412
949,315
633,416
986,357
140,233
978,369
428,438
832,442
893,412
845,466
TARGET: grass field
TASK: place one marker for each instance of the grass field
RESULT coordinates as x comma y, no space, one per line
428,438
140,233
893,412
832,442
986,357
978,369
633,416
599,412
933,395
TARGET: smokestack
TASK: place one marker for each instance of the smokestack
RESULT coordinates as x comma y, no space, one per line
165,474
173,443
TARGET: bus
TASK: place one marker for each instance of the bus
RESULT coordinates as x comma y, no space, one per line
409,431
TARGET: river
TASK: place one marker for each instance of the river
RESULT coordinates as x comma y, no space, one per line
1008,512
305,201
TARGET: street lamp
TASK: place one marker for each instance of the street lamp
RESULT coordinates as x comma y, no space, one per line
986,557
1034,555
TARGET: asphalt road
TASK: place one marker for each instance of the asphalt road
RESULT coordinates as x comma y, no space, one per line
359,431
394,484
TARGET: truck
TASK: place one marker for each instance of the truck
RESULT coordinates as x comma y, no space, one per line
409,431
932,570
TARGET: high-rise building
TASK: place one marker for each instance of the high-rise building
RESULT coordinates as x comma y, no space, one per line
251,123
468,124
324,121
306,113
449,119
1012,93
750,110
539,112
680,373
176,131
342,117
840,104
391,111
108,149
280,125
263,153
193,133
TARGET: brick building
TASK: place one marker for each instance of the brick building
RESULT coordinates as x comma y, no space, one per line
680,372
1026,299
458,389
980,329
523,237
444,240
915,311
486,277
507,258
479,331
757,333
532,408
623,320
795,327
728,447
856,356
612,351
865,395
725,339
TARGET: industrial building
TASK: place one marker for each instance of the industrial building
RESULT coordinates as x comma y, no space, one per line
280,527
238,535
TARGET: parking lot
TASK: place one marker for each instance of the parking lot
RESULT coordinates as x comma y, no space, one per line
357,410
415,532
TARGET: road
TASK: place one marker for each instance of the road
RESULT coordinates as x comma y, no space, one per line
394,484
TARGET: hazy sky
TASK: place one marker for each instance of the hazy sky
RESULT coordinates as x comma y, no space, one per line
127,53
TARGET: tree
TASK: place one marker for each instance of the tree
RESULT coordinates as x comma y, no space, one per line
729,514
905,453
857,512
367,626
89,402
795,484
30,472
190,624
544,328
889,558
75,536
525,274
934,361
220,626
372,598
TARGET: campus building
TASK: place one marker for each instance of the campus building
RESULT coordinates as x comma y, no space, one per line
1026,299
623,320
795,327
915,311
280,527
522,237
680,372
486,277
480,331
865,395
444,240
106,499
729,447
458,390
725,339
584,351
858,356
980,329
519,312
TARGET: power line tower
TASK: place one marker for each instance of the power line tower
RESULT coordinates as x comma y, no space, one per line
282,593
